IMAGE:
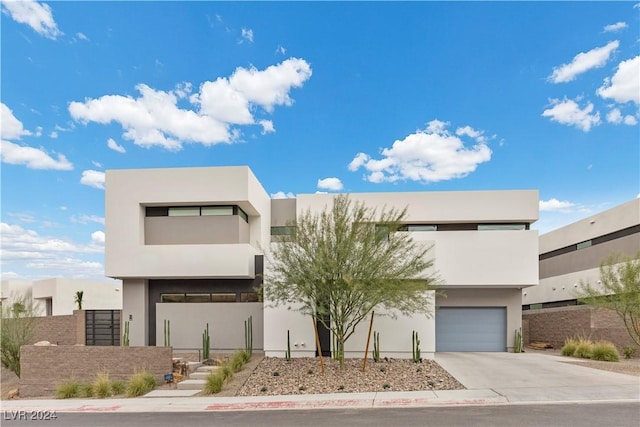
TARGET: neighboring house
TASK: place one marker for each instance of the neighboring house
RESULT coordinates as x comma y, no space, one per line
189,245
569,257
56,296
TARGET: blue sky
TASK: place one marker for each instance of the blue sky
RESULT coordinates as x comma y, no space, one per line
332,97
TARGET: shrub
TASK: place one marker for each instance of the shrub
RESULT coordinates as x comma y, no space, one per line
569,347
237,362
68,390
583,349
604,350
227,372
246,356
139,384
102,385
86,390
629,352
117,387
214,382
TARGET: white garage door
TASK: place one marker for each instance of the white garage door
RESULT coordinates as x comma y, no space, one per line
471,329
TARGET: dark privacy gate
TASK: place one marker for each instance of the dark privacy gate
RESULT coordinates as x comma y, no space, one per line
102,327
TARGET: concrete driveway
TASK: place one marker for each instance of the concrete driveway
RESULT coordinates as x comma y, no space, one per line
533,377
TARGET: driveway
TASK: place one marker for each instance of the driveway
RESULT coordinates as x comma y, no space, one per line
529,377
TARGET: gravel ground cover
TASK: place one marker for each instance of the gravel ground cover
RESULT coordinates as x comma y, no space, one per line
277,376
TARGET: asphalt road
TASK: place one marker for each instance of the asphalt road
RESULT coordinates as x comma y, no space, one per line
582,415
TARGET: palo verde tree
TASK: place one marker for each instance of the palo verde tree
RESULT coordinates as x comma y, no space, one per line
16,330
346,260
619,290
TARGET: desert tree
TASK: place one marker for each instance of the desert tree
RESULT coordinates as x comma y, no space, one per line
619,290
16,329
346,260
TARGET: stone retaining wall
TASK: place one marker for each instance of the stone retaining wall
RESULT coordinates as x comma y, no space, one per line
554,325
61,330
44,368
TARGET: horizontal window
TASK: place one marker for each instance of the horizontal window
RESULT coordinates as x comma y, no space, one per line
223,297
198,298
225,210
418,227
583,245
283,231
501,227
201,297
185,211
249,297
172,298
217,210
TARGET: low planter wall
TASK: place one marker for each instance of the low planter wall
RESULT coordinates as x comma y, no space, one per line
555,325
44,368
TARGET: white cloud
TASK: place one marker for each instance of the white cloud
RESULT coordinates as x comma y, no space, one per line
615,116
53,135
11,128
33,158
247,34
332,183
624,86
555,205
96,164
582,62
471,133
85,219
93,179
267,126
429,155
612,28
155,119
36,15
283,195
98,237
82,36
568,112
115,146
281,50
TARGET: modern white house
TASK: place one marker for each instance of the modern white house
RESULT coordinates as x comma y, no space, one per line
56,296
189,245
572,254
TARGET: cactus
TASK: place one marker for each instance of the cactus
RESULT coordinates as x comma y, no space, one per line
517,342
248,335
415,344
287,355
125,338
376,346
206,343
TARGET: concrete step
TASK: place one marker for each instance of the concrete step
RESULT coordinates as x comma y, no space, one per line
191,384
199,375
207,368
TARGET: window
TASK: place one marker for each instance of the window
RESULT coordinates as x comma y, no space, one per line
418,227
223,297
382,232
249,297
184,211
198,298
217,210
482,227
583,245
283,231
242,214
172,298
196,211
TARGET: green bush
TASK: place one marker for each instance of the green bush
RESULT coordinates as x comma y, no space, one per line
569,347
583,349
214,382
237,362
117,387
604,350
102,385
227,372
140,384
68,390
629,352
86,390
246,356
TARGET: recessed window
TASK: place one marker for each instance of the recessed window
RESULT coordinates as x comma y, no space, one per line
184,211
198,298
172,298
419,227
583,245
223,297
217,210
249,297
283,231
482,227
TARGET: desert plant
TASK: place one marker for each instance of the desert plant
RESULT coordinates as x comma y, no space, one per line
246,356
376,346
117,387
517,341
415,347
583,348
248,335
125,337
140,383
386,386
569,347
167,333
629,352
237,362
206,343
16,329
86,390
604,350
68,390
78,299
227,372
102,385
214,382
287,354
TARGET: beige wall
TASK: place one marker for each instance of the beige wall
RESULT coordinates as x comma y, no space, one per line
226,324
176,230
282,211
135,310
129,191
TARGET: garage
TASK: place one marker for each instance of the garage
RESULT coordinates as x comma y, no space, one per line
471,329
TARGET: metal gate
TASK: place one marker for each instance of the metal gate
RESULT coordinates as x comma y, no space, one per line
102,327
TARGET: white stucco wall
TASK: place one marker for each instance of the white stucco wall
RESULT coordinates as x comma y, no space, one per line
10,290
135,293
